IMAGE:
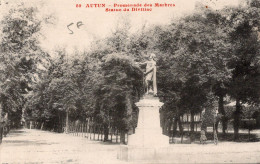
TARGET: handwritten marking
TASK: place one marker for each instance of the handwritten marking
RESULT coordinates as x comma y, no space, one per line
71,32
79,23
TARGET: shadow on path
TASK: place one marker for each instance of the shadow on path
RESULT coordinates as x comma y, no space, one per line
9,141
16,133
25,143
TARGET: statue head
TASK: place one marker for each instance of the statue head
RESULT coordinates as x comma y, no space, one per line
152,56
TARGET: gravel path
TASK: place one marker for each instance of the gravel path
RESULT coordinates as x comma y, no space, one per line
35,146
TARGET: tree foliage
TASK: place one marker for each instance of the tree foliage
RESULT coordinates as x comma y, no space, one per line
20,56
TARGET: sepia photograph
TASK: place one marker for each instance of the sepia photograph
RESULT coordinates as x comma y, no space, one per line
129,81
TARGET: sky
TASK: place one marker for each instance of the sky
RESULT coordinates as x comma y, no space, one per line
97,23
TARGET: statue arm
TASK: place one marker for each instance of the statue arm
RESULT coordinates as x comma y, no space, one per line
148,71
144,63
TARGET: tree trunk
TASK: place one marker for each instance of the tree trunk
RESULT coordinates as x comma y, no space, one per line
192,127
169,128
1,119
60,123
129,106
236,122
67,122
181,129
221,110
248,134
174,126
216,126
6,125
180,125
122,137
1,132
42,124
129,111
164,127
203,126
1,124
192,122
106,133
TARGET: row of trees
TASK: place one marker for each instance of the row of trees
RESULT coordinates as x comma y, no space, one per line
201,58
207,56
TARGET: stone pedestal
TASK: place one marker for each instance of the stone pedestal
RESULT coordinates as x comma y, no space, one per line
148,142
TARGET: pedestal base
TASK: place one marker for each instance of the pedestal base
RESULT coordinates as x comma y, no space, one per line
148,132
148,140
148,143
141,154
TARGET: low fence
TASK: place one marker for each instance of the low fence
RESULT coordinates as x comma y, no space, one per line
94,132
197,127
186,126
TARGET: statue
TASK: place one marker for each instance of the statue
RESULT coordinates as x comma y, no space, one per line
150,76
148,142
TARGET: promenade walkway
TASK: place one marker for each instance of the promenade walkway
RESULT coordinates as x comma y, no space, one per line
35,146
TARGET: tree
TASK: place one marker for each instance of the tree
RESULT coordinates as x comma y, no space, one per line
64,90
244,86
20,55
196,56
117,92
